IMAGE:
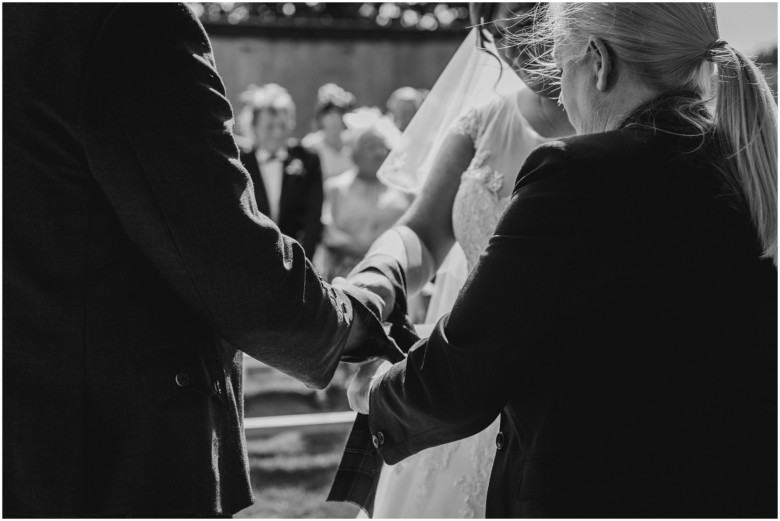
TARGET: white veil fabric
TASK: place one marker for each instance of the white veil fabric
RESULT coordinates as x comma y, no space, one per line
472,78
477,94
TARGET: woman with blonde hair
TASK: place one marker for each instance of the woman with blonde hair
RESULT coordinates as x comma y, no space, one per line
623,318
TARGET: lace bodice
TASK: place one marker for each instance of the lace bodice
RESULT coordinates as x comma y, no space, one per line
502,140
477,207
451,481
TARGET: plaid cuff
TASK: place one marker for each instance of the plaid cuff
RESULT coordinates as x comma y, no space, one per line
358,474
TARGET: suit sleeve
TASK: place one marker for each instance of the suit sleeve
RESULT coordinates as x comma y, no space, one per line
156,128
312,212
455,383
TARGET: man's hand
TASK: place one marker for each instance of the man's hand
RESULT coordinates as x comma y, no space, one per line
360,387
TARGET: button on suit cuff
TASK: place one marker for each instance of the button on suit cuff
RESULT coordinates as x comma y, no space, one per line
380,426
374,413
345,314
343,304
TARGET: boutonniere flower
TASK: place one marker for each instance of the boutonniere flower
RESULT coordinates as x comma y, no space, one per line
295,167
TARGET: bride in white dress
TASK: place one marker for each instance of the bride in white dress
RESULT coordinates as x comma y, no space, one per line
462,166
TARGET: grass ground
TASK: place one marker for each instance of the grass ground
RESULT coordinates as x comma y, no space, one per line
292,471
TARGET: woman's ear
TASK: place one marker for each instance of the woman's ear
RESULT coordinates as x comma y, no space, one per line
602,62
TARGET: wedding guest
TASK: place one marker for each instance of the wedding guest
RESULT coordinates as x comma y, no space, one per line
403,104
623,318
287,177
358,207
329,141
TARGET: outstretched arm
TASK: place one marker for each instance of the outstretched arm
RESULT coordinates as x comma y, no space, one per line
430,215
156,131
421,239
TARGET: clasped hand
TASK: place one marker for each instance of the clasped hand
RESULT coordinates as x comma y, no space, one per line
370,371
359,390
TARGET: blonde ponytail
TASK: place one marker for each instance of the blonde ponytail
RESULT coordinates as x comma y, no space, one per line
746,123
670,46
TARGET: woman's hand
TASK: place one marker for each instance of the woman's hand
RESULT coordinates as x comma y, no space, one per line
359,389
373,281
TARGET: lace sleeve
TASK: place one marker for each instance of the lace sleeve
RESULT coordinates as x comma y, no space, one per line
468,124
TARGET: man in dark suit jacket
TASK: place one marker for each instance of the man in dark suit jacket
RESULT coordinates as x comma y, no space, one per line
300,201
287,178
135,266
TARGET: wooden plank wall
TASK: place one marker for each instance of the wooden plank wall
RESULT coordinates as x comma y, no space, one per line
369,67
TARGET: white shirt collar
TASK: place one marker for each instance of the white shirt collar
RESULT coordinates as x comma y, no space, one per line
264,156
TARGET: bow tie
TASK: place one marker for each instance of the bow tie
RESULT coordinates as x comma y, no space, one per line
265,157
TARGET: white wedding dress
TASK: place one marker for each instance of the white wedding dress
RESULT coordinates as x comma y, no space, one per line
451,481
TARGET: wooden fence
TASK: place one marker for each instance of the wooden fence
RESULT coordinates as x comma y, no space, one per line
370,64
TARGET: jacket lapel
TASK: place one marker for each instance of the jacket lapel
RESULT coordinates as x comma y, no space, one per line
288,187
257,179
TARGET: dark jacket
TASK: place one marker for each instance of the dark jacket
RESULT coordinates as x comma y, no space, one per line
300,206
134,258
624,326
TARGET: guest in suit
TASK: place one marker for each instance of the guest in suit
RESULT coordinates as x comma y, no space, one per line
287,177
624,315
137,270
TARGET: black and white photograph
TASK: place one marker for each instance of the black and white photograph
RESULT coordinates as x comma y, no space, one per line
390,260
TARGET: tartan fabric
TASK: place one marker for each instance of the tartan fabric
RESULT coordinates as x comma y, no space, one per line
358,474
357,477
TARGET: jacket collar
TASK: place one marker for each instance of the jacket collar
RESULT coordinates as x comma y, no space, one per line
662,114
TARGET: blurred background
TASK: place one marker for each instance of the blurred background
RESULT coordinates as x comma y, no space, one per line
368,49
320,92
